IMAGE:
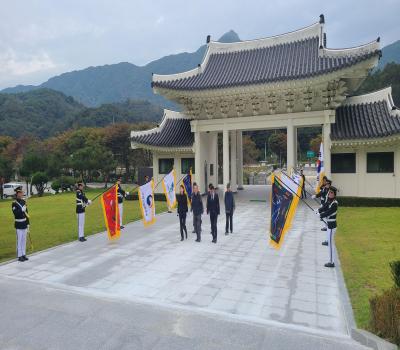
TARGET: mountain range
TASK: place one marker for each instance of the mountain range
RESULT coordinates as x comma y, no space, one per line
94,86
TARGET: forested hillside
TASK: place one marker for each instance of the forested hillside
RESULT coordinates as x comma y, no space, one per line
44,113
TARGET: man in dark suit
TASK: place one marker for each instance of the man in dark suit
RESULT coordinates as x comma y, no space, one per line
197,209
213,210
229,209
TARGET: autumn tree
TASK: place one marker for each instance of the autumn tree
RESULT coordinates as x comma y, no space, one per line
277,143
250,150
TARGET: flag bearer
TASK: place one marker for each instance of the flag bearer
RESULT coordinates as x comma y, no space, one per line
323,195
329,212
121,196
21,223
81,203
182,211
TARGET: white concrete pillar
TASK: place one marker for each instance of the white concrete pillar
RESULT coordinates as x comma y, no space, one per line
213,158
225,155
239,148
198,160
327,148
233,161
290,145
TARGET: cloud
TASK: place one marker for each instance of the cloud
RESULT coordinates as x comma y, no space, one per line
160,20
12,64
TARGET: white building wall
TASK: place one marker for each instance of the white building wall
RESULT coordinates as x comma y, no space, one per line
363,184
177,166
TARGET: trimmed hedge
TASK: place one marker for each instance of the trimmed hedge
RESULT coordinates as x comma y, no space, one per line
368,202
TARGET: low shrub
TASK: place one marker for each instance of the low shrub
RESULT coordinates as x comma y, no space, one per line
395,270
368,202
385,315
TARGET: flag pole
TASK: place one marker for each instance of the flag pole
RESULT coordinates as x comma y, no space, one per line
309,183
102,193
309,206
316,201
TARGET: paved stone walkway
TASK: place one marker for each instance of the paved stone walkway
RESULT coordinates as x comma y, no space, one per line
241,276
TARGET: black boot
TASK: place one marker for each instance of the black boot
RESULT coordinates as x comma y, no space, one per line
25,258
329,264
325,243
21,259
186,232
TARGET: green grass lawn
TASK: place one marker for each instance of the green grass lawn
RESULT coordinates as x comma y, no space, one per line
53,221
367,240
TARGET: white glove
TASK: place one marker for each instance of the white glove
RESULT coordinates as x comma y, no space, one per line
316,212
24,209
313,196
89,202
127,193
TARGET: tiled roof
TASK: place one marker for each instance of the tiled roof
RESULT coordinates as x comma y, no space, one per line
174,132
293,57
365,118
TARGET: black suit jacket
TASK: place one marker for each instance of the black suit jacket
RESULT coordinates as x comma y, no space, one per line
182,203
213,205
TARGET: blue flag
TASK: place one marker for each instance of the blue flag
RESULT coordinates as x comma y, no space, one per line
187,183
281,199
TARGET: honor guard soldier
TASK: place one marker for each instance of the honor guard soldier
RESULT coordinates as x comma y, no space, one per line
81,203
121,195
323,194
21,219
329,213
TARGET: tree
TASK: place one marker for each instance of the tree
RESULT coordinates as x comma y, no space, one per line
6,171
388,76
40,180
32,162
315,143
277,143
250,151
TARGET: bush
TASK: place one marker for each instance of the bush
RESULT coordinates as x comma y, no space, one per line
368,202
64,183
56,185
395,269
385,315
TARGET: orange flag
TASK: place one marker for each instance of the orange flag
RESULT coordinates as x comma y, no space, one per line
109,201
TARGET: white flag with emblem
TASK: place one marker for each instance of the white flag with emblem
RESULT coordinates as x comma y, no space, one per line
169,187
147,203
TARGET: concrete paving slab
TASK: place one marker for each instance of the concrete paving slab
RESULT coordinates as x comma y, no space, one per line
241,276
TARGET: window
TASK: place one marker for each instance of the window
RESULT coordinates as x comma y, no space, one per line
211,169
343,163
380,162
186,164
165,165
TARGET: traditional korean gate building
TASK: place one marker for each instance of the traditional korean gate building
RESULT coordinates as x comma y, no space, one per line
282,82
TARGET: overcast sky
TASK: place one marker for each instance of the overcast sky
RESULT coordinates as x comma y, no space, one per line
43,38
